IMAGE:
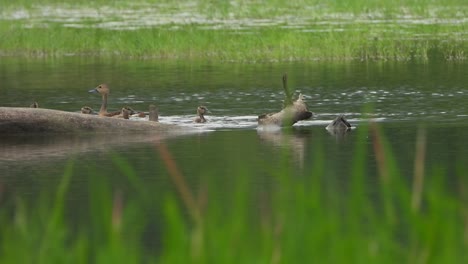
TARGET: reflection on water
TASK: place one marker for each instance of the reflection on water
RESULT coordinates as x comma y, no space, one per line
23,148
294,143
400,96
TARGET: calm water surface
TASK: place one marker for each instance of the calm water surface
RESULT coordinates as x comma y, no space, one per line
402,96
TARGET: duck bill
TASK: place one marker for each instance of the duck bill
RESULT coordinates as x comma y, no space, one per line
93,90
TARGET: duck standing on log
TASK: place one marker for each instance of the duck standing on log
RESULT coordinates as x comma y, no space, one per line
103,90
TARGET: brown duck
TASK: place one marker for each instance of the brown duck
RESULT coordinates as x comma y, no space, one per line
201,111
103,90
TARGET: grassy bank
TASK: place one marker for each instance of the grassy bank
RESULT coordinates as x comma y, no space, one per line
308,218
264,45
237,31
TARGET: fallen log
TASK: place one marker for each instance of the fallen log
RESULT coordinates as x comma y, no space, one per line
290,115
39,120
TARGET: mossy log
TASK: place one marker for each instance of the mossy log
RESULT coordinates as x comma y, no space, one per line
39,120
291,114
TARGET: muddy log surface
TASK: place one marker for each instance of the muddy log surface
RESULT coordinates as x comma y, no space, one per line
38,120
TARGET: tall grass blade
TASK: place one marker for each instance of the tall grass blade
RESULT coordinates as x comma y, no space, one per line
419,162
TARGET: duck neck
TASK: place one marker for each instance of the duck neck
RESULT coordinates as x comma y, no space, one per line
202,118
103,109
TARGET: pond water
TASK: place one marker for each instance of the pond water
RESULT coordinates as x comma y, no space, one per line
402,97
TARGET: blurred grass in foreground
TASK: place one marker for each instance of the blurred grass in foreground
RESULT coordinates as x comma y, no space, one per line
298,219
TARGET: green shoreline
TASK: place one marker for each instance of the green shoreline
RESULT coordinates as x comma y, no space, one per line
355,30
269,44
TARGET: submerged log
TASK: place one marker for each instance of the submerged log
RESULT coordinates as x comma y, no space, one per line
290,115
39,120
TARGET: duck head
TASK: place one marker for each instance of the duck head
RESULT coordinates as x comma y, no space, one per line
201,110
101,89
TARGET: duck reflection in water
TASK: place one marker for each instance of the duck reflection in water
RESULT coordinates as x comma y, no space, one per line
294,141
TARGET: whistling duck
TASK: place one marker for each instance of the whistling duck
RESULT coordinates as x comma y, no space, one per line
201,111
104,90
153,113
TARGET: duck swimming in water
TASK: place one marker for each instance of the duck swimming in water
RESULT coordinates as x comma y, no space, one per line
201,111
339,124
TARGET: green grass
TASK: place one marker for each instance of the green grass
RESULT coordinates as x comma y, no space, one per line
337,30
312,218
265,45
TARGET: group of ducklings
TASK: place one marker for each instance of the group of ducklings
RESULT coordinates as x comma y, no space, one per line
339,123
126,111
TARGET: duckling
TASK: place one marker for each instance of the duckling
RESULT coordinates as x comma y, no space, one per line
124,113
153,113
339,124
104,90
137,114
34,105
201,111
87,110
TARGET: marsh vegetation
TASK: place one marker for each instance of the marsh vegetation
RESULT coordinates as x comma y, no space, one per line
238,30
393,190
